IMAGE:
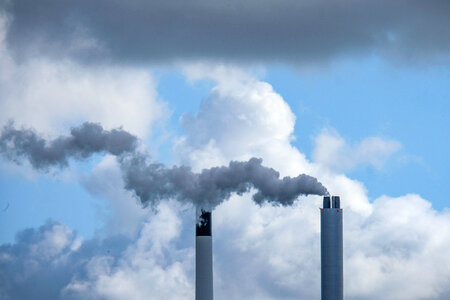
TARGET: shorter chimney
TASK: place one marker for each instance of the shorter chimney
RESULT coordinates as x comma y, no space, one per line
203,257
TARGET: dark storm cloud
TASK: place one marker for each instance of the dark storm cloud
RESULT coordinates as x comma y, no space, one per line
253,30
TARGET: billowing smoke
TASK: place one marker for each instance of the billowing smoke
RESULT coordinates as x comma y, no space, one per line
152,182
83,141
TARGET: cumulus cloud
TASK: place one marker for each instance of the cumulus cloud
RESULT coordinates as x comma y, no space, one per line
294,31
394,253
240,118
332,151
123,214
31,268
50,96
260,252
244,117
394,248
152,267
279,247
399,251
51,263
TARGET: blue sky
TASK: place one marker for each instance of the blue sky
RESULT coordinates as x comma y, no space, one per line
365,109
349,96
353,97
370,97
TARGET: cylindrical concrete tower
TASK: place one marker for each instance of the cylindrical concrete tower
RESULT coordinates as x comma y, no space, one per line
332,271
203,258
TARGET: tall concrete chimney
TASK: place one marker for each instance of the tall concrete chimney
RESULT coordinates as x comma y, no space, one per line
331,245
203,257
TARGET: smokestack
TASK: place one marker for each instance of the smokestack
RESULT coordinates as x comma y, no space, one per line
203,257
332,271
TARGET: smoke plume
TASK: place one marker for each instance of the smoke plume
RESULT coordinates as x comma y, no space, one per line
152,182
83,141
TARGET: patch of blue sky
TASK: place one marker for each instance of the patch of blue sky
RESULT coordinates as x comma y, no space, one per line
182,97
30,202
358,98
369,97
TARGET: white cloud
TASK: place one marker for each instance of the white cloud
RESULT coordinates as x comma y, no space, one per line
332,151
52,243
50,96
123,213
395,248
34,266
273,252
259,252
150,268
399,251
242,117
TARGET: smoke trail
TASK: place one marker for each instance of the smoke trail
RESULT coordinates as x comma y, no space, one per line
152,182
83,141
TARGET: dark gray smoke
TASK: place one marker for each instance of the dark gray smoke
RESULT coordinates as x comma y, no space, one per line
152,182
83,141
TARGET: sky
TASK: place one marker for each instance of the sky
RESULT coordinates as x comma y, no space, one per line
355,94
